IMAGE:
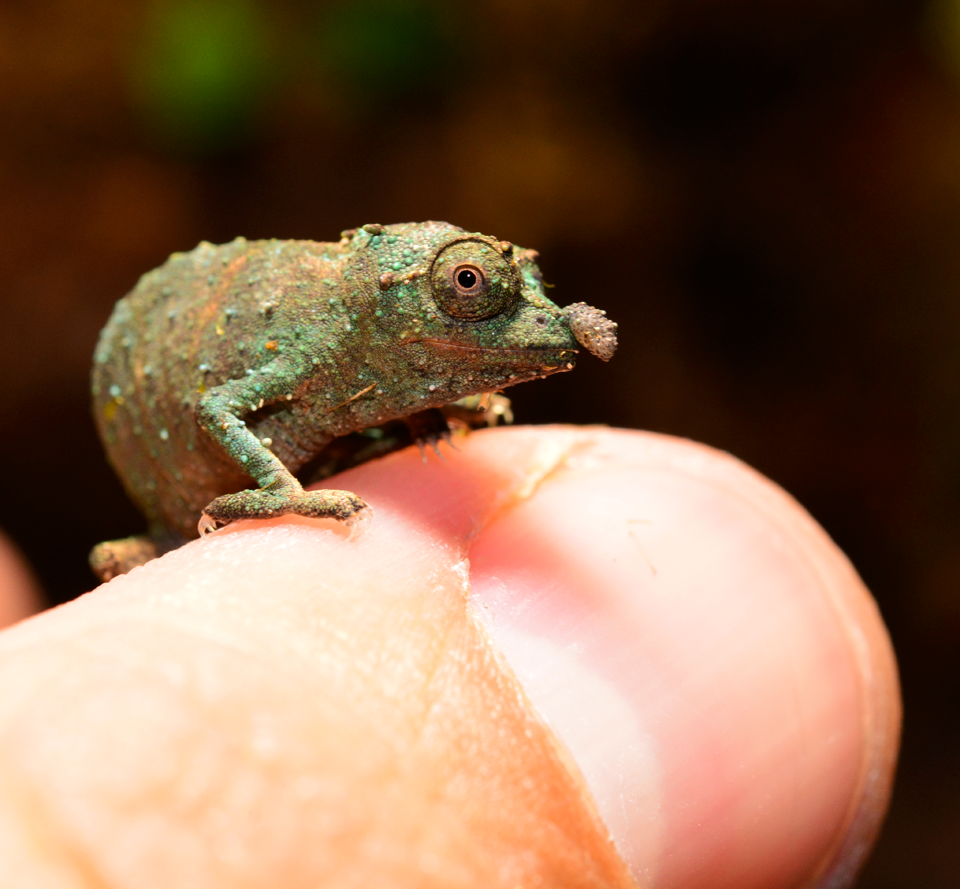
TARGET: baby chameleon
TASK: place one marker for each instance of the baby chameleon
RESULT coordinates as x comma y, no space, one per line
241,362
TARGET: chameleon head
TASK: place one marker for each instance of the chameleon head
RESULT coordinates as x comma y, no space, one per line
475,312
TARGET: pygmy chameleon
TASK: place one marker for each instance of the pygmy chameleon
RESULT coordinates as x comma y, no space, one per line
244,361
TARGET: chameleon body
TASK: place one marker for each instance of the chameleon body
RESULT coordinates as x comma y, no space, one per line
229,368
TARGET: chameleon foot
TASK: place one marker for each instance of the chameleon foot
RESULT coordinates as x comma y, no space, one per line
340,505
113,557
266,503
428,428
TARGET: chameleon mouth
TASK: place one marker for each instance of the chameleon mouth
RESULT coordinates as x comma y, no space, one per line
536,356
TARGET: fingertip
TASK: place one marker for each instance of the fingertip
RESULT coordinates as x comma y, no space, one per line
711,659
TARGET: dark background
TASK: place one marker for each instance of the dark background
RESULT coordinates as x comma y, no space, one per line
765,196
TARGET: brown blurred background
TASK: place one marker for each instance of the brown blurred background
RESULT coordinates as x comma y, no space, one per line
765,196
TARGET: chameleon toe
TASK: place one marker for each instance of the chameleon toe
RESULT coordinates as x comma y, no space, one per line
325,504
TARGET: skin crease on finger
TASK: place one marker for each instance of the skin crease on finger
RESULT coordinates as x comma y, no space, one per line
281,704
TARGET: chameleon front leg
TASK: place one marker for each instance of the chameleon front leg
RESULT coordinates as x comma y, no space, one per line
220,412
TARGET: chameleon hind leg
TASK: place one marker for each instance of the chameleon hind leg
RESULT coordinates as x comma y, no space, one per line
114,557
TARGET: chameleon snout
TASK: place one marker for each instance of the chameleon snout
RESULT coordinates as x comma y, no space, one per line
592,329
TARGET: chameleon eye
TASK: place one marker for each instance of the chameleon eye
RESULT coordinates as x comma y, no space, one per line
473,281
467,278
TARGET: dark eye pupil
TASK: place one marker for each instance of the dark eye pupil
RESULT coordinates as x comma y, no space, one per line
467,279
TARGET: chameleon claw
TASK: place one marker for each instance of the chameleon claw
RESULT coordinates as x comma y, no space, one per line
359,522
206,526
434,442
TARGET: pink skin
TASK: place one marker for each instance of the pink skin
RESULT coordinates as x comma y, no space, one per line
286,704
19,595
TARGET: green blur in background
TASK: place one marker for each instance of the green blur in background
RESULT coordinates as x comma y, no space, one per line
766,197
204,72
201,71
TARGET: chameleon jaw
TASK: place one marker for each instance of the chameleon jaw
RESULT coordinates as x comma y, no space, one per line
563,356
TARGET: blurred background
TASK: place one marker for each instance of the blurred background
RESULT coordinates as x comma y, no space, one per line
765,196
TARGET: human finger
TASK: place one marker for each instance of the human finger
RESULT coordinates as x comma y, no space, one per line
282,704
285,607
711,659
